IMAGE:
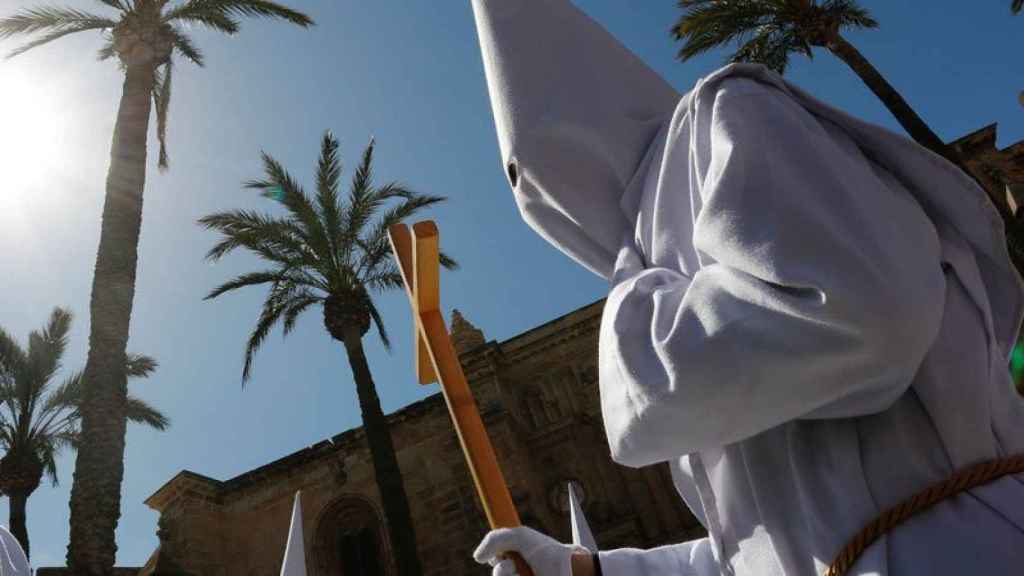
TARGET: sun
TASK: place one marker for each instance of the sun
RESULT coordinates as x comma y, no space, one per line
29,137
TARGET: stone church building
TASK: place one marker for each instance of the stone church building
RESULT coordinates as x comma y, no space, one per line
538,396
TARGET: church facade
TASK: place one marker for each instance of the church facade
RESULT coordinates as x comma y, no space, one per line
538,396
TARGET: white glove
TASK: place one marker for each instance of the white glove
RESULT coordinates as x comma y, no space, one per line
545,555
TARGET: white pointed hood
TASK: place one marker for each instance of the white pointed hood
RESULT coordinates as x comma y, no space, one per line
581,534
294,563
575,113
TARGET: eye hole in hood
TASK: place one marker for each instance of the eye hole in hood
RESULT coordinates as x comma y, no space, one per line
513,173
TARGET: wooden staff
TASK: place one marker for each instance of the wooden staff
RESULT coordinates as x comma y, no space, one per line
419,262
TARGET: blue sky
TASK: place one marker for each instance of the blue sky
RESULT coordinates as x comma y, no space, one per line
407,72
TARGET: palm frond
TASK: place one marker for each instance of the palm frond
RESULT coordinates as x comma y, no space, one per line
56,34
375,251
376,247
58,417
770,48
327,175
51,19
115,4
13,358
447,262
139,365
290,194
139,411
269,316
412,204
199,12
47,452
379,323
108,50
246,280
45,351
184,45
239,8
279,240
7,435
68,439
162,103
297,305
57,328
385,280
708,24
67,396
360,207
848,14
767,31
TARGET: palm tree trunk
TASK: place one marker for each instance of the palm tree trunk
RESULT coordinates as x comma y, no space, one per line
385,462
923,134
99,467
17,518
905,115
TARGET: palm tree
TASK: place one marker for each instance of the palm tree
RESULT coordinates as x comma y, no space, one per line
145,36
37,420
330,252
1017,6
769,31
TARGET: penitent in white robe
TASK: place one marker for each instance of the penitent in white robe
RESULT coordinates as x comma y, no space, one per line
810,321
810,317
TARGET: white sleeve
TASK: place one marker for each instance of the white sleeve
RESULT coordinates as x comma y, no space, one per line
819,294
693,558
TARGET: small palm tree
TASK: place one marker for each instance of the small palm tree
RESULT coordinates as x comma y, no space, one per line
37,420
145,36
332,253
769,31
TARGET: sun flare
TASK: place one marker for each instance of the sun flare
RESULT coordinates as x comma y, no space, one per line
29,136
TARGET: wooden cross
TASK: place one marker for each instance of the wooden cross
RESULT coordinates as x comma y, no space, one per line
419,262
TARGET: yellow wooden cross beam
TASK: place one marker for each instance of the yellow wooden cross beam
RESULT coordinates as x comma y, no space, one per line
419,261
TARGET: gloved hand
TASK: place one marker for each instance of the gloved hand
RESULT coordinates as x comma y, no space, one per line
545,555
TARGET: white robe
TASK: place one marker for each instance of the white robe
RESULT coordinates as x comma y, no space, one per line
811,321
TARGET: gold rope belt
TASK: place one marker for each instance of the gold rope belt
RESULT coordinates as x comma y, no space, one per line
965,479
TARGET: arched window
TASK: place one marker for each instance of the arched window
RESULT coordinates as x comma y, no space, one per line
350,540
358,552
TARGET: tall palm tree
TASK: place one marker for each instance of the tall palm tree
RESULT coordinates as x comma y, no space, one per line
145,36
38,420
331,252
769,31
